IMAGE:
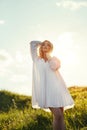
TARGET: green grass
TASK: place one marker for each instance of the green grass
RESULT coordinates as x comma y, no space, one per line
16,112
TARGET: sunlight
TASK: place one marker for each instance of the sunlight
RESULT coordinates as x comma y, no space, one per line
64,48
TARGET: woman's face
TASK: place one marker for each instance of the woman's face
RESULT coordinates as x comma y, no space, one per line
46,47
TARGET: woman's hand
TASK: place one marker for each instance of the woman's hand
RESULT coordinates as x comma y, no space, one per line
48,56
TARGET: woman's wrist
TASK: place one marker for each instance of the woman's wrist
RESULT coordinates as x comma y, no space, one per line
35,42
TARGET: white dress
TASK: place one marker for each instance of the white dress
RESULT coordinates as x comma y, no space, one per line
48,86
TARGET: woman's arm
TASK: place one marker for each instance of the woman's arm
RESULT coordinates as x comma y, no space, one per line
33,49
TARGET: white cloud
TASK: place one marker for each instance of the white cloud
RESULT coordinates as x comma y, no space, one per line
73,5
4,72
19,78
18,62
19,56
5,61
5,58
15,70
21,60
2,21
15,64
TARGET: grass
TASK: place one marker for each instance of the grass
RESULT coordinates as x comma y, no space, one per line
16,112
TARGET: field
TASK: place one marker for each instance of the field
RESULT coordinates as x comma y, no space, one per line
16,112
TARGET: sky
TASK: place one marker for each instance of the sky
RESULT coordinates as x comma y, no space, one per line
63,22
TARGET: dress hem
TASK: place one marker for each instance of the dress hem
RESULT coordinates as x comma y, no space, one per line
47,107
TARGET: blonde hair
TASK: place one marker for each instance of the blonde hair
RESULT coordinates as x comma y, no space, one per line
41,53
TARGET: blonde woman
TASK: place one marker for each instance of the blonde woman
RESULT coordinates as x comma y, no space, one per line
48,87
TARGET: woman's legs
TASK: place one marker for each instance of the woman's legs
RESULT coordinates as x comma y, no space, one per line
58,118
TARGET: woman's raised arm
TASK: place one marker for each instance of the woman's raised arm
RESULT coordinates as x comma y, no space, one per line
33,49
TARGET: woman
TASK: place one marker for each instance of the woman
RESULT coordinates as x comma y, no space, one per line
48,87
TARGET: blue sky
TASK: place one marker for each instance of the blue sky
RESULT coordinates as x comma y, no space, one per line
63,22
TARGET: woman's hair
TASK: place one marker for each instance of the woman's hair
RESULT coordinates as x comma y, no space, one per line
41,53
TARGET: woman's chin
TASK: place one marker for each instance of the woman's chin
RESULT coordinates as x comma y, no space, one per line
45,51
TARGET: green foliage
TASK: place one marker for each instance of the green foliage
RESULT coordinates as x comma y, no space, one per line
9,100
76,118
16,112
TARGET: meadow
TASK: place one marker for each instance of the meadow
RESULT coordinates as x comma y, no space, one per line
16,112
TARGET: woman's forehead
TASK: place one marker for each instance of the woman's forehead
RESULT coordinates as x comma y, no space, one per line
46,43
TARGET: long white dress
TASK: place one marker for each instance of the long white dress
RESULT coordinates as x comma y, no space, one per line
48,86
